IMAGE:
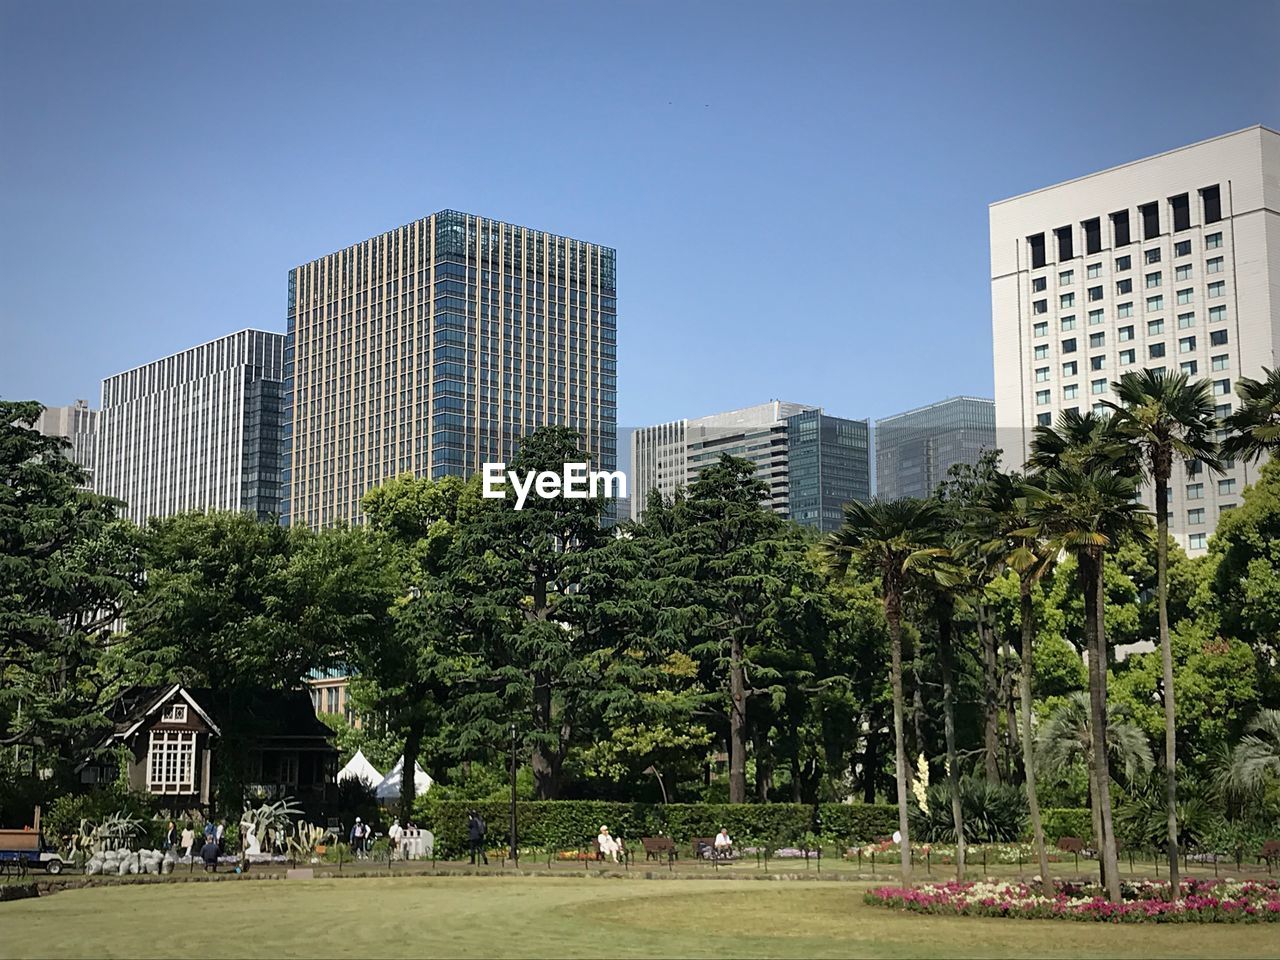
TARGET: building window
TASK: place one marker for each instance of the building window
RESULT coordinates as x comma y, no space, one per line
1127,358
1068,323
1044,419
1070,368
1155,327
1093,271
1182,248
1124,310
1186,320
1211,199
1195,491
1123,263
1097,363
1125,333
1190,368
1153,279
1197,541
1096,317
1220,362
1222,411
1042,397
1151,256
1120,228
1092,235
1042,374
1217,289
1070,391
1066,300
1095,294
1038,284
1221,388
1040,306
1065,250
1097,340
1180,212
1217,314
1218,338
1212,241
1155,303
1042,351
1124,287
1184,296
1041,329
1227,485
1213,265
1150,214
1182,272
175,713
171,761
1037,250
1066,277
1069,345
1098,386
1155,351
1187,345
1195,516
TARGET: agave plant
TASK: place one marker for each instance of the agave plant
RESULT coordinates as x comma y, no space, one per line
116,831
275,816
306,838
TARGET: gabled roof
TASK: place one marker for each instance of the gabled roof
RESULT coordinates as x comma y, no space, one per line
164,698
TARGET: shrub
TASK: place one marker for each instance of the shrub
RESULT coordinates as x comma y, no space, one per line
1059,822
992,812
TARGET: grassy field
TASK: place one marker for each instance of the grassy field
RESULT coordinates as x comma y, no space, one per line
557,917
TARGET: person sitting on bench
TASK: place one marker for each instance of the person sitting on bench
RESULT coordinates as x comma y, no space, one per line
608,844
724,844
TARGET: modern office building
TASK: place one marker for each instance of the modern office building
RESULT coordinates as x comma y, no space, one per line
812,463
434,348
79,426
916,449
1169,263
199,430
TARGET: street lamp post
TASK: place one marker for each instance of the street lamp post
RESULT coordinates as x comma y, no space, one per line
515,853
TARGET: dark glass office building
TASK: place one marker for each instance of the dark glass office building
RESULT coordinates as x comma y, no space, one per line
434,348
914,450
828,464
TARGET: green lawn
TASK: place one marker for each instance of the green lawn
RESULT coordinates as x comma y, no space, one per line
557,917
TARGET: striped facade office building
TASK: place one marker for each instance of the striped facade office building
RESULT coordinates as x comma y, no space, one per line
434,348
198,430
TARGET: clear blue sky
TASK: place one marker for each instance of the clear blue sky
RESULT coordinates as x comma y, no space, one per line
797,192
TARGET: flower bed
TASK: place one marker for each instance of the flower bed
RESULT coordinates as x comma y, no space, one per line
1201,901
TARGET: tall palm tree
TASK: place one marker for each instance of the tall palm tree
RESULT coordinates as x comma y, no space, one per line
897,537
1255,427
1084,511
1164,416
1083,440
1065,737
1003,538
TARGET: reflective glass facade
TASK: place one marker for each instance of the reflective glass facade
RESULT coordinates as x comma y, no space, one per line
829,464
914,450
435,347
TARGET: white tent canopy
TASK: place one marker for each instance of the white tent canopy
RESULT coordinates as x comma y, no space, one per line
389,788
359,768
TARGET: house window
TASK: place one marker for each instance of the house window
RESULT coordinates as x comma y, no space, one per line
175,713
289,768
171,762
1213,265
1212,241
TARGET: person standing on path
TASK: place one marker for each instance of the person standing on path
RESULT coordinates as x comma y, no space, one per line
476,830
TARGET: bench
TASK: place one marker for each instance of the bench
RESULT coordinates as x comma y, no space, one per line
1270,853
656,847
704,848
597,854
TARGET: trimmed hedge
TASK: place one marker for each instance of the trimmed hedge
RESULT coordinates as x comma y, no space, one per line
1061,822
569,824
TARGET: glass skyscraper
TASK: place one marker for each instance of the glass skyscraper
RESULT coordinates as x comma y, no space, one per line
914,450
434,348
829,464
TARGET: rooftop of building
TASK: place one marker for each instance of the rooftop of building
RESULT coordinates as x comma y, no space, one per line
177,353
1257,127
935,405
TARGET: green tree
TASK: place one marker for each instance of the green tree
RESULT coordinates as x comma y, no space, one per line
1084,510
1164,416
1255,427
1255,761
68,564
897,537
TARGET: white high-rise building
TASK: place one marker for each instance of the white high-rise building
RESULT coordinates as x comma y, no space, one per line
199,430
1168,263
79,426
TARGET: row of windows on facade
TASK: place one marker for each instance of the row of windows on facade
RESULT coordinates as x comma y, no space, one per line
1182,271
1156,327
1187,344
1071,391
1178,215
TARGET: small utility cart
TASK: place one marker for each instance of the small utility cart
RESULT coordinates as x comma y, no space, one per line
24,848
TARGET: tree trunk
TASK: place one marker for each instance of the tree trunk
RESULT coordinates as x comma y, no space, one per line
1092,574
870,761
917,714
990,700
546,773
1162,471
1008,697
893,615
949,725
408,782
1026,611
737,723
